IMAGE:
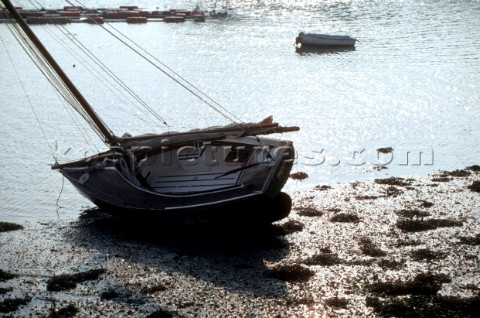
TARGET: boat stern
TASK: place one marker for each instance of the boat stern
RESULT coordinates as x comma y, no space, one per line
281,172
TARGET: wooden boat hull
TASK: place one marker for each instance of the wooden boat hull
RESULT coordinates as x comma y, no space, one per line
187,183
325,39
254,210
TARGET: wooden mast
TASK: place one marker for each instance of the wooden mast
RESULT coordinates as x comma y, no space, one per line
105,131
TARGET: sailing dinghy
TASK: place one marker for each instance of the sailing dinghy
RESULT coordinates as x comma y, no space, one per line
182,174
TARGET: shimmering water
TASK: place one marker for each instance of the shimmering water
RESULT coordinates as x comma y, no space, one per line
412,83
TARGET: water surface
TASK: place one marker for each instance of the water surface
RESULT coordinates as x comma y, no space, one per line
411,83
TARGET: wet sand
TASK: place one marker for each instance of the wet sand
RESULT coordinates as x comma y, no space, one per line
390,247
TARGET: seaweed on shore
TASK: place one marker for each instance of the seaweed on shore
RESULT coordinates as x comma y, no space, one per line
5,290
9,305
109,294
324,259
391,264
345,218
337,302
5,276
426,204
407,242
309,211
299,175
421,301
441,179
160,313
288,227
391,191
302,300
322,187
7,226
369,248
408,225
474,168
385,150
66,312
411,213
426,306
290,273
470,240
66,282
456,173
327,258
422,284
426,254
153,289
366,197
394,181
334,210
475,186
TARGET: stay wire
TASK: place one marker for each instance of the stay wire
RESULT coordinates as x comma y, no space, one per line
64,95
132,93
50,75
175,77
112,75
179,79
29,100
59,85
95,72
172,74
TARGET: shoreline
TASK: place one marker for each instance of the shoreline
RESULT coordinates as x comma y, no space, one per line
373,248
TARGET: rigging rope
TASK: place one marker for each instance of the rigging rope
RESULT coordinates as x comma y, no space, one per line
51,76
26,46
175,77
58,84
44,66
171,73
89,54
29,101
126,90
100,75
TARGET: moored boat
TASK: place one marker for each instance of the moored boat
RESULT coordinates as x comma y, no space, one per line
324,39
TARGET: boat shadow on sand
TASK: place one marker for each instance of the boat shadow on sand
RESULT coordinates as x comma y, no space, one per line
231,257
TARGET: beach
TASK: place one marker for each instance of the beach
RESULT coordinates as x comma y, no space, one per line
389,247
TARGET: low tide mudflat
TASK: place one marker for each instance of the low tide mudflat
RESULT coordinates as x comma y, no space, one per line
390,247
